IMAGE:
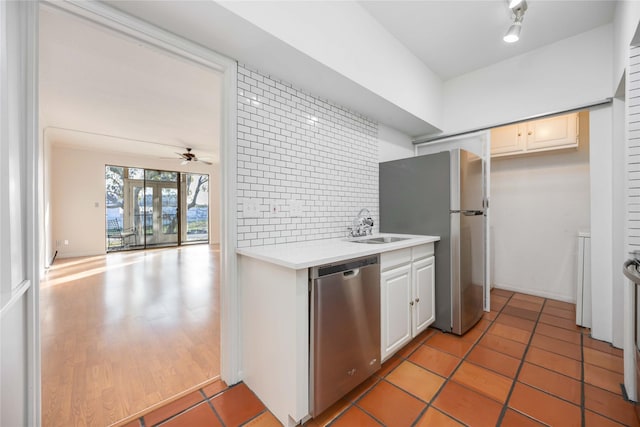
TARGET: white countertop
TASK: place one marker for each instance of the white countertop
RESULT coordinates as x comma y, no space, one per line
318,252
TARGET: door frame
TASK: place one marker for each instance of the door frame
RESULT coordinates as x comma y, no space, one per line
156,208
127,25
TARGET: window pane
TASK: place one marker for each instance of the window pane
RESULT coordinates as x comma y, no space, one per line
154,175
197,207
136,173
114,205
170,210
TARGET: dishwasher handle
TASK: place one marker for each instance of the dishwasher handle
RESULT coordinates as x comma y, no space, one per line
343,267
351,273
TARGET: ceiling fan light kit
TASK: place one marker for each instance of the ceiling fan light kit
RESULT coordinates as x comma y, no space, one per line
188,157
517,7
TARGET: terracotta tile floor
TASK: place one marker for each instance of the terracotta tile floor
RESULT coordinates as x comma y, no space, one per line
524,364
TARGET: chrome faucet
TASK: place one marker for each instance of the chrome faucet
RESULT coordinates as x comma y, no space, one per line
362,224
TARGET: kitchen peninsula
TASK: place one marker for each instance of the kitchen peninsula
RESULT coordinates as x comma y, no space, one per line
274,300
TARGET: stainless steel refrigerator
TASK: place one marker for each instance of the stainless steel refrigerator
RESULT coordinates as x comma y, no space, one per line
443,194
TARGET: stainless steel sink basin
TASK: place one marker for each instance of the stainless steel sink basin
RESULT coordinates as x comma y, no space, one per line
379,240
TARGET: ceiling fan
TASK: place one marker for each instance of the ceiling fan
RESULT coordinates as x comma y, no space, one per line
188,157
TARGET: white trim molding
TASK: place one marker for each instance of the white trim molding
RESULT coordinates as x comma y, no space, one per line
16,296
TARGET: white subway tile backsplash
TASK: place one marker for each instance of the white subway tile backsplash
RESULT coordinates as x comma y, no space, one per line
294,146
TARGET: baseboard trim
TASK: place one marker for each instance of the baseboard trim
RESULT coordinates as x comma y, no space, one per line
165,402
542,294
79,254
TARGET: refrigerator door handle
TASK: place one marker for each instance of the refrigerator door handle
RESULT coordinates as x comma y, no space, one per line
467,212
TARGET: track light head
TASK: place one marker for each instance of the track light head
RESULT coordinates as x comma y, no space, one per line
518,7
513,34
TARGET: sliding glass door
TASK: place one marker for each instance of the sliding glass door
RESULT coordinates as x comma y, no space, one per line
162,227
153,208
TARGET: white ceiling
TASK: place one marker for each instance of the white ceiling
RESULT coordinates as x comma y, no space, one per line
95,81
454,37
112,93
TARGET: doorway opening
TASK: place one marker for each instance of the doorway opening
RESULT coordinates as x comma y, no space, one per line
124,332
148,208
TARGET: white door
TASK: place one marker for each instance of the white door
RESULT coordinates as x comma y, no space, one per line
424,313
395,314
19,361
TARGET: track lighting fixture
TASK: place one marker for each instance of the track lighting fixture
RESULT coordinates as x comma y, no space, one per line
514,3
517,7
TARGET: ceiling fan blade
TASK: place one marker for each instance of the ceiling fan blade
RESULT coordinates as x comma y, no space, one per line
185,162
205,162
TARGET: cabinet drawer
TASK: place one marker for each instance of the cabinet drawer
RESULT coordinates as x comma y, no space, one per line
422,251
394,258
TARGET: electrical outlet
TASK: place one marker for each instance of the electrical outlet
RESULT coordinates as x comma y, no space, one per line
251,208
274,209
295,208
66,242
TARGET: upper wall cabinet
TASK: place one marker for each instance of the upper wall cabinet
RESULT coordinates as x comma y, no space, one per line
535,136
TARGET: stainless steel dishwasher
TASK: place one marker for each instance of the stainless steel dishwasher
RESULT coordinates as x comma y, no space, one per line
345,328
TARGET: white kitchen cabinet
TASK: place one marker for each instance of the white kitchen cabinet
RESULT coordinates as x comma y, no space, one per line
274,286
424,307
506,140
552,133
395,313
408,296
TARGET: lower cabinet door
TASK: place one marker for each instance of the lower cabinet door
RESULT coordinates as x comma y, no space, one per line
395,310
423,272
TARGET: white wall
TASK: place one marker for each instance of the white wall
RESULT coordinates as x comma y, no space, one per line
356,46
297,148
538,204
77,183
556,77
625,25
393,144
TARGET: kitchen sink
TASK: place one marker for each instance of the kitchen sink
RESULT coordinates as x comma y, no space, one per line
378,240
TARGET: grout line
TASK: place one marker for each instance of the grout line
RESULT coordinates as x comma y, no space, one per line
421,414
353,403
522,361
255,416
383,378
340,415
505,407
362,409
172,416
215,412
582,391
462,359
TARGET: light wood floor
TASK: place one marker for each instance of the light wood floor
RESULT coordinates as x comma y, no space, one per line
125,331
